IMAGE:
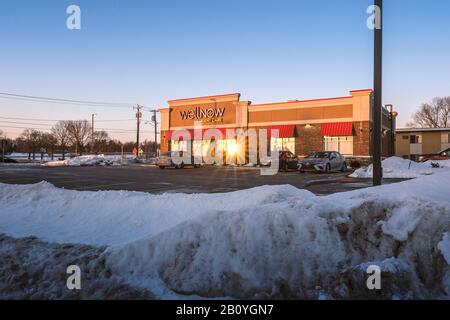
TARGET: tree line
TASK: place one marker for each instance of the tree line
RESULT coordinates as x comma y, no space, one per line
434,114
68,137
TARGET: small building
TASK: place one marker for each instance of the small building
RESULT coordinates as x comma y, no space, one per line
332,124
411,143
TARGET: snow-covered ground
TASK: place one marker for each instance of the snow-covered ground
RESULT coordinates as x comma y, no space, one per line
90,160
266,242
396,167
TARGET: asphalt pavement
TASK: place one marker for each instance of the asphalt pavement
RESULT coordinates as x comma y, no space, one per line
147,178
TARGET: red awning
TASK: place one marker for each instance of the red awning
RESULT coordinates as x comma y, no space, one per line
181,133
336,129
285,131
213,133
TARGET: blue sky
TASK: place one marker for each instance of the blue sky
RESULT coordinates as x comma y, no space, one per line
148,52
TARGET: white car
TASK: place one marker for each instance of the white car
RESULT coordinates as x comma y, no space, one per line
323,161
165,160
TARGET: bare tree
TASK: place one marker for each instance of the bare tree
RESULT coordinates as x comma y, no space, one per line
31,139
433,115
101,139
60,132
79,133
47,144
2,144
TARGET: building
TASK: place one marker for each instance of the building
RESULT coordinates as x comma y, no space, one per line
413,142
333,124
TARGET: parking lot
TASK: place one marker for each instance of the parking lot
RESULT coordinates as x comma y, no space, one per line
154,180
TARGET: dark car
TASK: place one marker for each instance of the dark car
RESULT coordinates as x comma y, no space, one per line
287,160
323,161
7,160
443,155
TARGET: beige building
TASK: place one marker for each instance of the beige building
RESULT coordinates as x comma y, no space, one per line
412,142
331,124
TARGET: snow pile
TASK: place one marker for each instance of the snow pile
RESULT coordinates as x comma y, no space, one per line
32,269
396,167
88,160
266,242
300,248
115,217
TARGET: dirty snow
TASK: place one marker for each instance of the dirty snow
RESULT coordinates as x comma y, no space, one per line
87,160
266,242
32,269
396,167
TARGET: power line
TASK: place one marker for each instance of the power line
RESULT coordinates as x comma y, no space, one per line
56,120
60,100
48,127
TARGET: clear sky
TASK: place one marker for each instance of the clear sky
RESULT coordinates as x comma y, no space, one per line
148,52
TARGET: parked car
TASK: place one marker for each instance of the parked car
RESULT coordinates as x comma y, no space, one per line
7,160
165,160
443,155
286,160
323,161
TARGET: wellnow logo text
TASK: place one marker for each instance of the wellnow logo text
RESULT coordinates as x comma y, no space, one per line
199,113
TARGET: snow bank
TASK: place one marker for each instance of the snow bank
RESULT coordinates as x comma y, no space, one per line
115,217
88,160
32,269
396,167
266,242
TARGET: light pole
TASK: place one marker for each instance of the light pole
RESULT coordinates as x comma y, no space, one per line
92,131
377,94
156,132
392,117
138,109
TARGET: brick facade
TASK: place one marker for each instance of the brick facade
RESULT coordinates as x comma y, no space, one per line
164,146
361,138
308,139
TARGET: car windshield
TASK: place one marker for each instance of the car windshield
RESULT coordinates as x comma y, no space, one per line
319,155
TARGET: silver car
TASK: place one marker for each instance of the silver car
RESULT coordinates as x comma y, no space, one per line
165,161
323,161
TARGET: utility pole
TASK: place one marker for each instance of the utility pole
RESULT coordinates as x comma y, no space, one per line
138,109
3,149
377,95
156,132
92,131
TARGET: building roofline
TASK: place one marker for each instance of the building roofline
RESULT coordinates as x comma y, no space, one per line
299,101
362,90
421,129
313,100
205,97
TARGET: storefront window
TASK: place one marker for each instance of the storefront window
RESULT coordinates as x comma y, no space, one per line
283,144
343,145
178,145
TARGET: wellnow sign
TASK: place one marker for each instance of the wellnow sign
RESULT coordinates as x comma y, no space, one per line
198,113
